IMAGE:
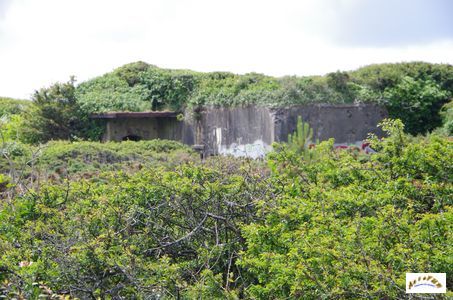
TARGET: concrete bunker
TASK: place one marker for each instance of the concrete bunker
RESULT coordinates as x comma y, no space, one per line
246,131
136,126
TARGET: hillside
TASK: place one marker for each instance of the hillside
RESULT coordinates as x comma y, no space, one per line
413,92
140,86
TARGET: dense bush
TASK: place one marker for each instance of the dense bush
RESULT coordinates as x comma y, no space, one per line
413,92
59,160
382,76
11,118
9,106
168,89
56,114
446,114
11,127
416,103
153,234
346,225
111,93
315,223
137,87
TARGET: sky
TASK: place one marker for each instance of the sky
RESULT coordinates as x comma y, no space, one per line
46,41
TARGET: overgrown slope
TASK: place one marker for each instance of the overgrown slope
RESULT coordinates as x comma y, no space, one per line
413,92
60,160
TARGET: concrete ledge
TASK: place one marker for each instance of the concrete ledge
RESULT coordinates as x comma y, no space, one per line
145,114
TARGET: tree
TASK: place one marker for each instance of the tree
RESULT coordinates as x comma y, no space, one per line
417,103
55,114
447,119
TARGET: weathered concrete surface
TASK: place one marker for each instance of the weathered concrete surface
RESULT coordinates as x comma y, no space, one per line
242,131
250,131
344,123
119,129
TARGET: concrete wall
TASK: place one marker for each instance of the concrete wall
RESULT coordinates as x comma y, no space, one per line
250,131
242,131
344,123
149,128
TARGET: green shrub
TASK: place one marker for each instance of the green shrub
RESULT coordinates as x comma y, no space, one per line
56,114
153,234
63,159
9,106
343,227
11,119
111,93
11,127
413,92
329,225
417,103
446,114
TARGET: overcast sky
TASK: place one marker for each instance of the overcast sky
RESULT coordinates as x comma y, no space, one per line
44,41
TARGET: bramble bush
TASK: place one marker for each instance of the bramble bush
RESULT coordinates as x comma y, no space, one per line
344,226
308,223
153,234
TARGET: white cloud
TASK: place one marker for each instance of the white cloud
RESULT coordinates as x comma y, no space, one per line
48,40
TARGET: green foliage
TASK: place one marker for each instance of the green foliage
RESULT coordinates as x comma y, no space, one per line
137,87
56,114
11,128
340,83
168,89
148,220
343,227
3,183
11,119
413,92
382,76
92,157
58,160
111,93
9,106
226,89
300,140
446,114
153,234
416,103
131,72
